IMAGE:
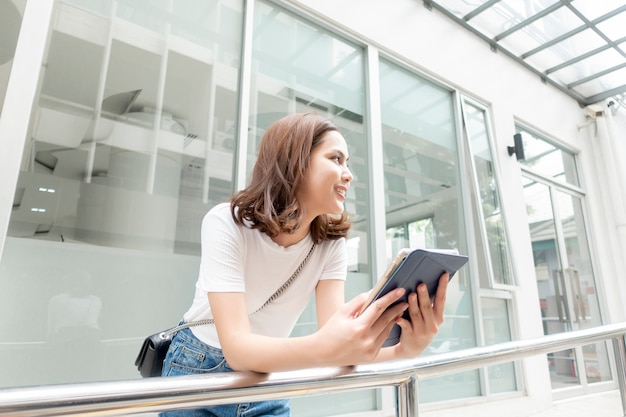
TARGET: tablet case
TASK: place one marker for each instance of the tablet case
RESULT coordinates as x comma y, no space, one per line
420,265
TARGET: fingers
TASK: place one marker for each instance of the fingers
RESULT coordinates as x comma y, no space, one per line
355,305
381,314
422,308
378,307
440,297
385,333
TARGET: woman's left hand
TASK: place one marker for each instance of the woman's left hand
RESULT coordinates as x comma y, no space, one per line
426,317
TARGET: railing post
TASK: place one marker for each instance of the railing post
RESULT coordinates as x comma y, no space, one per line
619,346
406,398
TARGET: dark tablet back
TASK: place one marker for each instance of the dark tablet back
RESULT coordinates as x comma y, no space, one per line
420,265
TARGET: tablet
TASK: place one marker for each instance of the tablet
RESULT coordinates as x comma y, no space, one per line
410,268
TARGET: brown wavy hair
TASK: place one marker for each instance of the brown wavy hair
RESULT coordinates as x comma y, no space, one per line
269,203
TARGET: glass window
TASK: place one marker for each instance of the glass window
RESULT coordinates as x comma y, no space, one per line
423,206
300,67
134,134
311,70
132,142
548,159
493,261
566,281
497,329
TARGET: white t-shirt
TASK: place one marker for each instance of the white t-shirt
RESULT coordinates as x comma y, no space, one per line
236,258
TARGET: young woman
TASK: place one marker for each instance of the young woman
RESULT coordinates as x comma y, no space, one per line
292,210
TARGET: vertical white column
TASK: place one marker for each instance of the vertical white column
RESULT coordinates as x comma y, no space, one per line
606,140
244,98
18,102
376,164
376,197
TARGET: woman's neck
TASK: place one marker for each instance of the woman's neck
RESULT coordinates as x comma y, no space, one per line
287,239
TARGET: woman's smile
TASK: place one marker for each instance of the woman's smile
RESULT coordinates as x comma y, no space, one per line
328,178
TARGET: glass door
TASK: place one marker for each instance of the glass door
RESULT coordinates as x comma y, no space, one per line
565,281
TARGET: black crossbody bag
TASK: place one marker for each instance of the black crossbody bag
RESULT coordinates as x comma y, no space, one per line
152,353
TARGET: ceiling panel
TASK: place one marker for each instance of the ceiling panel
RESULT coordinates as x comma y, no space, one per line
579,46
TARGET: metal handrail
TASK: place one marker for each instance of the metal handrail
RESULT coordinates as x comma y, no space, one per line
162,394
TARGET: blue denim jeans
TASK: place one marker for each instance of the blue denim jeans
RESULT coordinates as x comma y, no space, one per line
188,356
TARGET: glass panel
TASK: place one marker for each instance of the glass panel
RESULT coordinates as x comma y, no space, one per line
497,329
570,48
613,28
579,271
11,12
298,67
506,13
593,9
597,85
132,144
596,363
546,258
580,283
524,28
548,159
565,281
417,234
548,271
314,72
460,9
480,148
589,66
542,30
422,202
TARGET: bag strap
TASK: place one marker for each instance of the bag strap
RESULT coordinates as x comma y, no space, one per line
167,333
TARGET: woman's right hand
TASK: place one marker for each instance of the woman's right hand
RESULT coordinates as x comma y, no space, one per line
348,338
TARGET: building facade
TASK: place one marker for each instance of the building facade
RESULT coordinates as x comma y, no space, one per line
123,122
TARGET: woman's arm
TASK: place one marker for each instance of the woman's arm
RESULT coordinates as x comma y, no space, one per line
343,339
329,297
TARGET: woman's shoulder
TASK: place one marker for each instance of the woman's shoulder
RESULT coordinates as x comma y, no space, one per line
219,217
332,245
219,211
220,208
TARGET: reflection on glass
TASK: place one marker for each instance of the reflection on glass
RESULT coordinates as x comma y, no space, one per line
422,202
548,269
74,330
489,198
497,329
302,68
298,67
565,280
132,142
417,234
580,274
546,257
579,282
548,159
596,363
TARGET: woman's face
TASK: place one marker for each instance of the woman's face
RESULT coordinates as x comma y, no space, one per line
328,178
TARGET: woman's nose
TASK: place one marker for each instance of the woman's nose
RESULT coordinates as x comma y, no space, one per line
347,175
